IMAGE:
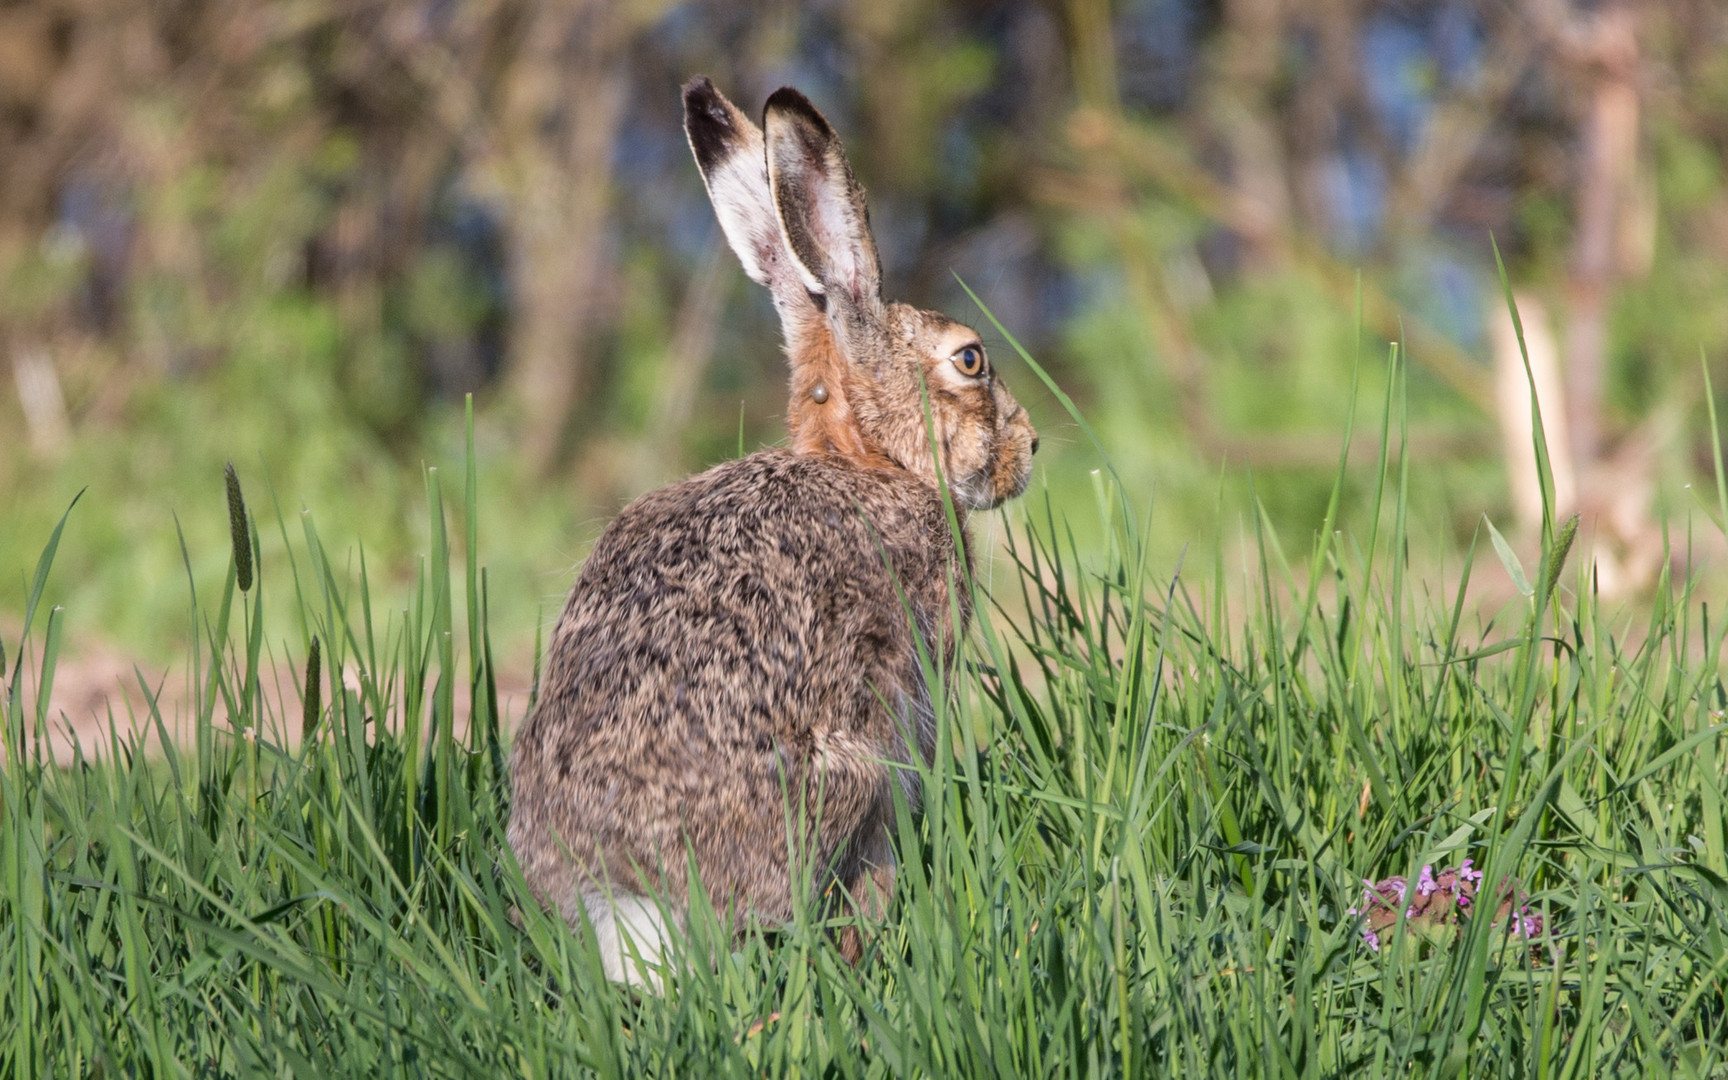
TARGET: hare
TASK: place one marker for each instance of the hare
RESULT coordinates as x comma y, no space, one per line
744,645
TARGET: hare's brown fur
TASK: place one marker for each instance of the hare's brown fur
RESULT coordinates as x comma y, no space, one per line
737,671
716,660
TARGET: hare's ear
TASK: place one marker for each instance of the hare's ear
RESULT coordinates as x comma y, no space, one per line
729,152
821,207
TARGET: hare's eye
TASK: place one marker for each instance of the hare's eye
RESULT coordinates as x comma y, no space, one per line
970,361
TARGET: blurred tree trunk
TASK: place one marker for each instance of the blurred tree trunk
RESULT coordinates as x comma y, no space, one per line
1512,385
1240,106
1607,169
60,66
63,67
559,114
1092,45
1323,105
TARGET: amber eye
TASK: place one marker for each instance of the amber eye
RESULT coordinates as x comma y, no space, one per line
970,361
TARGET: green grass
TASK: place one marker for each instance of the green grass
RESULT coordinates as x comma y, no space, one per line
1139,862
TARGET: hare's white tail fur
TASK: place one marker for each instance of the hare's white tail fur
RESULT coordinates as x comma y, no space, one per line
631,933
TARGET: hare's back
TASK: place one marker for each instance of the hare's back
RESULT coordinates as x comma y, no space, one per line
743,612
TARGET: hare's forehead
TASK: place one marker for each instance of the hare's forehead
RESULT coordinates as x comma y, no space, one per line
930,333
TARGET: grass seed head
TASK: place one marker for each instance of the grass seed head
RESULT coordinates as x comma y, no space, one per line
314,706
237,528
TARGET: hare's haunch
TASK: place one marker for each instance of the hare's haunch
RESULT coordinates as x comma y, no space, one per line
743,645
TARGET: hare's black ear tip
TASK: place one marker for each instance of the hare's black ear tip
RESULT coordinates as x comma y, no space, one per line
707,121
703,104
790,102
698,91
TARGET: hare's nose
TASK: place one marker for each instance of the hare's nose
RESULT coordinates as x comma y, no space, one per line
1034,444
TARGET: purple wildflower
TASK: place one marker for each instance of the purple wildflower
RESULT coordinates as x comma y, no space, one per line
1527,925
1425,883
1440,903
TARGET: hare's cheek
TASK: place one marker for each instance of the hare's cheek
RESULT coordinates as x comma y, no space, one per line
976,491
980,479
969,457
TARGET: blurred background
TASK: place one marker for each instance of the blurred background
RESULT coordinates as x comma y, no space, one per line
296,234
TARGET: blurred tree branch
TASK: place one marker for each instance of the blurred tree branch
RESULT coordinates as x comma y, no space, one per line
1120,159
1454,134
1120,162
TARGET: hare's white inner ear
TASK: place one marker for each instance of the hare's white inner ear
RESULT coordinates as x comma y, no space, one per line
821,208
745,214
729,152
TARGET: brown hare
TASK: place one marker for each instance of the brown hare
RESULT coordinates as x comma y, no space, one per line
744,645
